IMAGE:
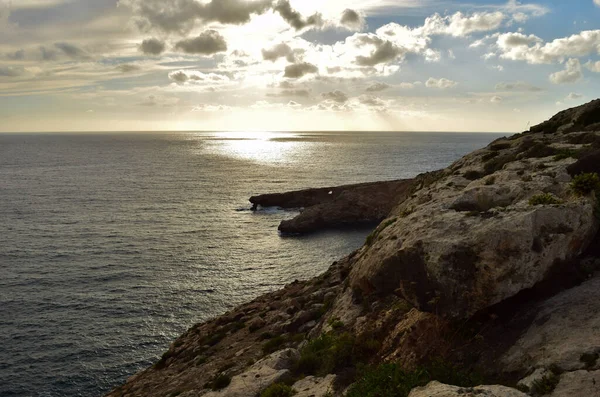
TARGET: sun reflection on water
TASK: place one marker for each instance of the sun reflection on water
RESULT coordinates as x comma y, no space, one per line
279,148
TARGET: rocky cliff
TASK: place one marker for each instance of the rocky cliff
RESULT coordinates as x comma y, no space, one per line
337,207
481,281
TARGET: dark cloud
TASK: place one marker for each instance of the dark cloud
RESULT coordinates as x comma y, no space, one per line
127,68
17,55
300,69
336,96
183,76
352,20
181,15
294,18
385,51
72,51
152,46
48,54
302,93
279,51
10,71
208,43
376,87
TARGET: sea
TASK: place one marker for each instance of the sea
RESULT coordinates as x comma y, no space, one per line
114,244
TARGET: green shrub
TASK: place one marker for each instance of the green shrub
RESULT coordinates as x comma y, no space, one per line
544,386
584,184
278,390
274,344
473,175
544,199
565,154
333,351
390,380
221,381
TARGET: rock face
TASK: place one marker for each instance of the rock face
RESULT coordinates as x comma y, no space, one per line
274,368
491,265
436,389
565,329
337,207
474,238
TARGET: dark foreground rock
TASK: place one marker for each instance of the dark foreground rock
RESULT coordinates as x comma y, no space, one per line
489,267
337,207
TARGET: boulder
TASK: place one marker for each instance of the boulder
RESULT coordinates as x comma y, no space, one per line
271,369
457,250
314,387
565,329
437,389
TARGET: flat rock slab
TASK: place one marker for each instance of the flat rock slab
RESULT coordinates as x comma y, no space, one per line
578,384
566,327
314,387
437,389
271,369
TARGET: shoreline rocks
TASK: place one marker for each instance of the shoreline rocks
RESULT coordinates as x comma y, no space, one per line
490,266
337,207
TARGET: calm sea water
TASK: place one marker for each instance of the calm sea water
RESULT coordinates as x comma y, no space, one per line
111,245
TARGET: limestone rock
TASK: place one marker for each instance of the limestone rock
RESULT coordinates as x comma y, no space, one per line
578,384
565,328
436,389
456,251
314,387
272,369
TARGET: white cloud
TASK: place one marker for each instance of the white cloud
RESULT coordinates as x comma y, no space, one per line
442,83
496,99
519,47
572,74
597,2
593,66
376,87
461,25
573,95
195,76
336,96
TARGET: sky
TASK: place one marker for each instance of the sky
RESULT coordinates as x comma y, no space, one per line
294,65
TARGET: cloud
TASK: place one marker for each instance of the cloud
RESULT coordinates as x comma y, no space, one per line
303,93
531,49
517,86
184,76
300,69
152,46
376,87
207,43
593,66
572,74
127,68
294,18
461,25
279,51
181,15
383,51
496,99
597,2
336,96
16,56
72,51
353,20
372,101
573,96
10,71
442,83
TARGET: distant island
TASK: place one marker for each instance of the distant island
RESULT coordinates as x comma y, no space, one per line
481,279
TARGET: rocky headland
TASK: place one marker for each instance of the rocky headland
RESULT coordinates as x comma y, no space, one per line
337,207
482,280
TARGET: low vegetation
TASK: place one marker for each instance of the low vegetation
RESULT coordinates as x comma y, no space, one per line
544,199
278,390
371,238
584,184
221,381
391,380
565,154
544,386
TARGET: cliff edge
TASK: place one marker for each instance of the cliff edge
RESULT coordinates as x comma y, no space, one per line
482,280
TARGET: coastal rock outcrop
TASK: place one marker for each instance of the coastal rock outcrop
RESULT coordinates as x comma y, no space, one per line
436,389
337,207
495,223
485,273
